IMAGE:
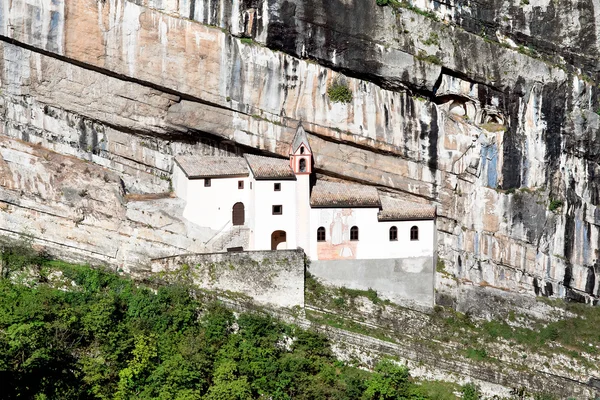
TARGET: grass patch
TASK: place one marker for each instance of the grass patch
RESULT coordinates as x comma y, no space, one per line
341,322
478,354
439,390
333,298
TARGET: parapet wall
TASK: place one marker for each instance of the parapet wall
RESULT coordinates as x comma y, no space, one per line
274,278
405,281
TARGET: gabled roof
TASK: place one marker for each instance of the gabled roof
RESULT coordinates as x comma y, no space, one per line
299,139
265,168
197,166
400,210
338,194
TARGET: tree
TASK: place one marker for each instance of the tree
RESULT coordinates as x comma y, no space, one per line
389,382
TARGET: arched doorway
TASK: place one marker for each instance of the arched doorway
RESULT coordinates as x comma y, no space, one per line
278,240
238,215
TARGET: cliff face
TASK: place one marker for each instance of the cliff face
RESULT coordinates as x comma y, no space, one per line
487,109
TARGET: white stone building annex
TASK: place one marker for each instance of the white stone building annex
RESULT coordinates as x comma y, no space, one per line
266,203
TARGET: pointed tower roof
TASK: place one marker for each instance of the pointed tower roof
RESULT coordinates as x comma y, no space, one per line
299,139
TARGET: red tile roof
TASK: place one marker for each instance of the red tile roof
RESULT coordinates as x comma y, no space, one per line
269,167
338,194
400,210
198,166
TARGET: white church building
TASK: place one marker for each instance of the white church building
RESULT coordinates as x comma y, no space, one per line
270,203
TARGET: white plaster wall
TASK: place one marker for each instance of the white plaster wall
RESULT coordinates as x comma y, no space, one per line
212,206
404,247
180,182
303,211
337,223
251,214
373,240
266,223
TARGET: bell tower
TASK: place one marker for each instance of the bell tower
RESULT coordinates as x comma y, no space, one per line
301,163
301,154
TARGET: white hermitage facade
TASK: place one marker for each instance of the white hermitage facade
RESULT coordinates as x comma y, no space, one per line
274,205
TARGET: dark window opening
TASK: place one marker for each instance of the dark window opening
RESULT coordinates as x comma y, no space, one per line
354,233
240,184
302,150
238,216
393,234
277,210
414,233
250,185
207,182
277,187
321,234
302,165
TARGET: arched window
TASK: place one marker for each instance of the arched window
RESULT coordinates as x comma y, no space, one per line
393,234
354,233
302,165
302,150
321,234
414,233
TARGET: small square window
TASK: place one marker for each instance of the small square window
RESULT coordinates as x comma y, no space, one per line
277,210
277,187
207,182
240,184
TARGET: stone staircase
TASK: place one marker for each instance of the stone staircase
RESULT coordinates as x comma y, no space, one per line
236,236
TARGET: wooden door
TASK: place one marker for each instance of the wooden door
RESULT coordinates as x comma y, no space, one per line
238,216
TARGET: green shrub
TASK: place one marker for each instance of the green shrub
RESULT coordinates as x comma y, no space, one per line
339,92
555,205
471,391
433,39
390,381
477,354
19,256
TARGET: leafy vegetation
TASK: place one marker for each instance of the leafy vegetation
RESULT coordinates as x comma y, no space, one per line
339,92
406,5
430,58
69,331
470,391
432,40
555,205
573,333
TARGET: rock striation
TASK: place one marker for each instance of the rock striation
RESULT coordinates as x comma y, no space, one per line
488,110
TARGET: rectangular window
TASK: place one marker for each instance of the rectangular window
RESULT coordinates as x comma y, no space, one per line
277,210
250,185
240,184
207,182
277,187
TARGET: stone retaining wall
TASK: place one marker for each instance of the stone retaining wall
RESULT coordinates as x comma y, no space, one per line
274,278
405,281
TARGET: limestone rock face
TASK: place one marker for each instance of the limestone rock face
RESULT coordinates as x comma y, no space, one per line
487,109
